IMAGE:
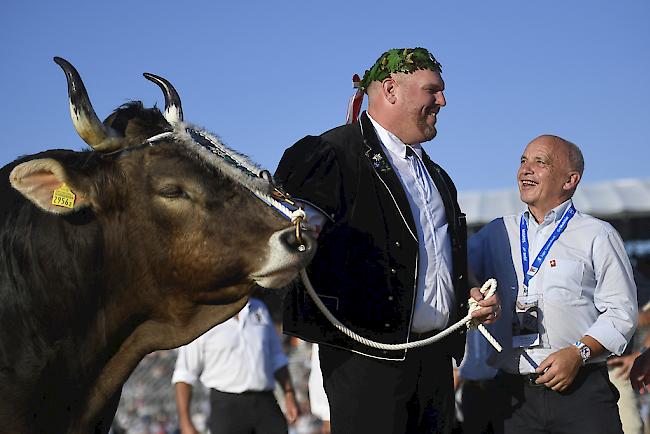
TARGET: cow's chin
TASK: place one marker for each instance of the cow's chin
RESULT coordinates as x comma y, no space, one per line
275,281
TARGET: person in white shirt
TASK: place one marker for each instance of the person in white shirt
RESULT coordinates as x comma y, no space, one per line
567,277
239,361
318,403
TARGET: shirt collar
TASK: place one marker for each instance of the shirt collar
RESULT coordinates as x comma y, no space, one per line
391,142
553,215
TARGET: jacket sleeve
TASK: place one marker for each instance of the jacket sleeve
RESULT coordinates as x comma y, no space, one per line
310,171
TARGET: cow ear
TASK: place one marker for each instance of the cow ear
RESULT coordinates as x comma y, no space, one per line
45,182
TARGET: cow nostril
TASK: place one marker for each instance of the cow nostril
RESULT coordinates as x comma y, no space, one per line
301,239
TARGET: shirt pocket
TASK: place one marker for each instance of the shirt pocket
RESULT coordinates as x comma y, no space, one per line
563,280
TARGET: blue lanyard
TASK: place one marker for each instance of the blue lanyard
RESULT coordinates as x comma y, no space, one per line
530,271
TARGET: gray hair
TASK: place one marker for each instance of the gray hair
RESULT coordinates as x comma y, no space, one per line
576,159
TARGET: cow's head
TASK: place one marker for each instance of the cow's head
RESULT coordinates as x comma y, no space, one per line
143,243
174,191
162,232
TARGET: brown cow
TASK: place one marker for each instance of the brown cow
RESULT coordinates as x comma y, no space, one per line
141,244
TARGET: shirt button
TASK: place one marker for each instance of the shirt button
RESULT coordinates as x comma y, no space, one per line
393,271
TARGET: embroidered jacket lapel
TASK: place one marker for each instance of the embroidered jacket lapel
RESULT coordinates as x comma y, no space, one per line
388,177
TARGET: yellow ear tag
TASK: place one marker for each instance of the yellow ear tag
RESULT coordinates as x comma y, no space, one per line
63,197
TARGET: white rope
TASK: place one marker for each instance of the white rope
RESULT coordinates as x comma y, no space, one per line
291,215
487,290
489,287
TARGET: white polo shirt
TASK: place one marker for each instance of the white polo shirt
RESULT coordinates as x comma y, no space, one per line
238,355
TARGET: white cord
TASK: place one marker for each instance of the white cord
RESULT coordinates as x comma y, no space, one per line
488,290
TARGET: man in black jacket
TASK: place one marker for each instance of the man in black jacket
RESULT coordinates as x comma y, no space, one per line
391,262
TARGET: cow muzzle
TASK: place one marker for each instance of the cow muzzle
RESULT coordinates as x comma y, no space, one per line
289,252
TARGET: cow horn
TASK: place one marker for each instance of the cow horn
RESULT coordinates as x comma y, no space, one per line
173,109
85,120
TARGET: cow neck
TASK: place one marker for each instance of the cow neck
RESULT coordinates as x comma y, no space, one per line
143,339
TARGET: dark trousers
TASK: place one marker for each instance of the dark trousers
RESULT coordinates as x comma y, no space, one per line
477,406
368,395
587,406
245,413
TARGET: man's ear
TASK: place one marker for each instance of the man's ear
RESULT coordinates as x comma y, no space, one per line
46,183
389,89
572,181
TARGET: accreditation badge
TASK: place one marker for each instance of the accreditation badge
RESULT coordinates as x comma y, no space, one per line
525,322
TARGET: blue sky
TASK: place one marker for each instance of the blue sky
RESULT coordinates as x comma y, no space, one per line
264,74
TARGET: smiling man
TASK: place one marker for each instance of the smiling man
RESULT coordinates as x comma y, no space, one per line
571,287
391,261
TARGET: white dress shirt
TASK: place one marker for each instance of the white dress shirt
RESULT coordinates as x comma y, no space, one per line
435,290
238,355
585,285
318,402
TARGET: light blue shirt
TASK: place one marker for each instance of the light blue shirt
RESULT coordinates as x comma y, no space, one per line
585,287
435,291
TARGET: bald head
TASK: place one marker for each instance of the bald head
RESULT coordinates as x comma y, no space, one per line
550,170
567,151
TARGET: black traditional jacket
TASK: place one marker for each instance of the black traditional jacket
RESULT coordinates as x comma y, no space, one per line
365,268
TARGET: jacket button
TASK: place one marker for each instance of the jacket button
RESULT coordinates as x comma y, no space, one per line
397,244
386,325
393,271
390,298
460,277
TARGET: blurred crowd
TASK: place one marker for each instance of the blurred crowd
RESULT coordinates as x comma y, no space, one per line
148,407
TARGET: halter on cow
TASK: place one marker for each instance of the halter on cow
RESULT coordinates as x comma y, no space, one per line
143,243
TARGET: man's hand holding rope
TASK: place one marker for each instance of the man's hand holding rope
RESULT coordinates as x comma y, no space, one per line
490,308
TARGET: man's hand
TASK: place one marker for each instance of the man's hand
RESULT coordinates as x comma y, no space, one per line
560,369
623,364
640,372
291,407
490,308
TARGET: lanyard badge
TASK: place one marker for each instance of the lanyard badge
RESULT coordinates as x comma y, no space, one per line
525,326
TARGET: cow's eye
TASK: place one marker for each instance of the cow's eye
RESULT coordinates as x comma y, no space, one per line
173,192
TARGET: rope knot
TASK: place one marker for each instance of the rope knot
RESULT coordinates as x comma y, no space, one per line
298,215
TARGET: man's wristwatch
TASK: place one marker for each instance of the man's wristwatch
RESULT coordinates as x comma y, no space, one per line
585,351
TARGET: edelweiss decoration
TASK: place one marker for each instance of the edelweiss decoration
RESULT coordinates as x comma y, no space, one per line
379,163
